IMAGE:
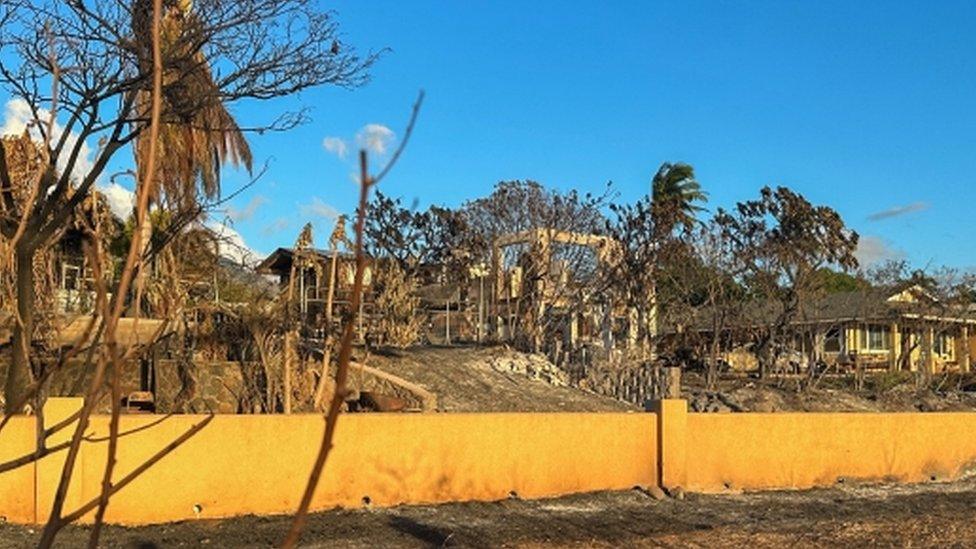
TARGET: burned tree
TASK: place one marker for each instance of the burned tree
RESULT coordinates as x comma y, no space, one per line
784,241
413,248
935,327
215,54
540,244
651,233
700,298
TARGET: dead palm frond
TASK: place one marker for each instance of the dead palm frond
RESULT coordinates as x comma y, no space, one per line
198,134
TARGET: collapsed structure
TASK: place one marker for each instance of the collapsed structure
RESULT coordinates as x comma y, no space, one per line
545,291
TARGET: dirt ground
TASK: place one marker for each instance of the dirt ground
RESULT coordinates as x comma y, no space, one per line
925,515
481,379
879,392
494,379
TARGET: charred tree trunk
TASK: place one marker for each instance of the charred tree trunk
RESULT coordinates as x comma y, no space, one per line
185,371
183,402
713,352
18,377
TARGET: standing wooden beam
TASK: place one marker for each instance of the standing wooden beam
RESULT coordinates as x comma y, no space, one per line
447,322
672,382
819,344
913,348
606,324
964,358
928,349
895,343
632,328
497,283
572,330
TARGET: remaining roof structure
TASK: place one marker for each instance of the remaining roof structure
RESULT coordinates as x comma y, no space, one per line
279,261
867,305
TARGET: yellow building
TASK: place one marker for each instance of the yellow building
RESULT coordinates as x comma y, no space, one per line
908,329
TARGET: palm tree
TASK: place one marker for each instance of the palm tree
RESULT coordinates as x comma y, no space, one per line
198,134
674,194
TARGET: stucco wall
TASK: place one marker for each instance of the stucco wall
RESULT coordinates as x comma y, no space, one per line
17,485
802,450
259,464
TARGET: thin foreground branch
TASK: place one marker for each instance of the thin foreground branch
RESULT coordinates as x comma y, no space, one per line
345,345
56,521
342,371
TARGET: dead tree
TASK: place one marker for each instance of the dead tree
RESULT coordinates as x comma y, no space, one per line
784,240
124,73
366,181
99,54
522,208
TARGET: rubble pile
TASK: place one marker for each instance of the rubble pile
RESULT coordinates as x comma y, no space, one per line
533,366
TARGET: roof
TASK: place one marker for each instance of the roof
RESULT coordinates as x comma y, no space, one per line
280,260
438,294
873,304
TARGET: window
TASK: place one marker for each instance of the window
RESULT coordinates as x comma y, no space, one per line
876,338
70,277
832,341
944,345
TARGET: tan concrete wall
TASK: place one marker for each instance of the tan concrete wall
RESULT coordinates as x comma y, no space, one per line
17,485
801,450
259,464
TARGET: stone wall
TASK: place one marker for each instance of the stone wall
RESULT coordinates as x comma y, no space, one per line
218,387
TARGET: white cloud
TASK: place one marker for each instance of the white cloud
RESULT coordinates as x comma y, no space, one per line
336,146
276,226
248,211
120,200
874,249
18,116
897,211
375,138
231,245
15,117
318,208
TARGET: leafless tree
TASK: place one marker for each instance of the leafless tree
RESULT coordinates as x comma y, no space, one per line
947,299
157,77
97,53
653,236
784,241
414,248
366,182
701,294
564,273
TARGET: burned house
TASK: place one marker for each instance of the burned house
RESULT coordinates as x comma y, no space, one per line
548,292
322,279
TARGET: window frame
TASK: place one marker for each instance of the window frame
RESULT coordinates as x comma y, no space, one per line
834,335
944,345
871,331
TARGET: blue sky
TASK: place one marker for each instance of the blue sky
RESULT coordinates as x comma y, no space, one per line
865,107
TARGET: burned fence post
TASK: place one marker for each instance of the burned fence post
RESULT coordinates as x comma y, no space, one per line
672,382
